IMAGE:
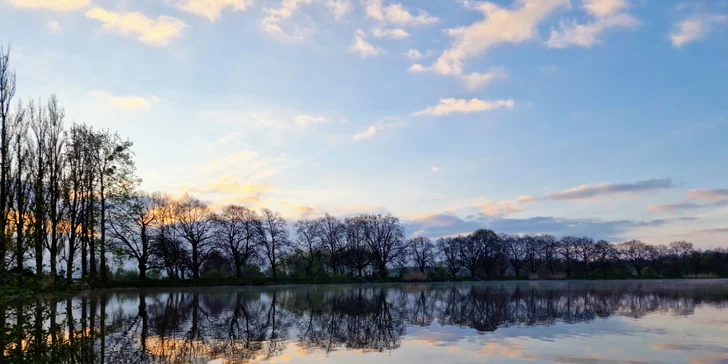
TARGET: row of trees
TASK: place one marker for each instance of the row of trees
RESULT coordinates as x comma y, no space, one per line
55,183
70,195
186,239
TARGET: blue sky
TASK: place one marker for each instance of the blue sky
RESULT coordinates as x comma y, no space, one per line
600,117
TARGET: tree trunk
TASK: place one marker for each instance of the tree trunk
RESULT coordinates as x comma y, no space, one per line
102,226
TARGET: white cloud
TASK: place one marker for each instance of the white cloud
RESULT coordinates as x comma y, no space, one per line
52,5
303,121
499,26
695,28
604,8
361,46
54,27
372,130
435,169
338,8
396,14
212,9
126,103
498,209
452,105
397,33
414,55
272,22
608,14
149,31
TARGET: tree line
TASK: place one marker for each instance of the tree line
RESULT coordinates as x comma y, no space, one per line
70,199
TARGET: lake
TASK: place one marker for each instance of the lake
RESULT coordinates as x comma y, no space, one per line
660,321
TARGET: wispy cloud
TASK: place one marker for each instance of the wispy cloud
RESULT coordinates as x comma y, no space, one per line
54,27
159,31
716,194
375,128
694,28
339,8
590,191
396,14
362,47
126,103
212,9
715,198
272,22
51,5
499,26
396,33
607,14
452,105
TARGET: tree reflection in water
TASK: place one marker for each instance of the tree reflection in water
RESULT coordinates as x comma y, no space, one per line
245,324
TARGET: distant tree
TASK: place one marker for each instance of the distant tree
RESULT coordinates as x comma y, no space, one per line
659,254
636,254
534,252
517,252
568,252
485,244
274,237
194,223
7,92
237,232
585,253
605,254
385,237
333,240
357,254
421,252
550,247
449,252
308,234
132,221
681,251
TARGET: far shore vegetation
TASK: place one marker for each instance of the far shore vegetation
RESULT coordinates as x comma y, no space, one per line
74,217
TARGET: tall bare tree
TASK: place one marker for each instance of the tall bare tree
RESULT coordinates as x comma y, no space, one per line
236,232
333,240
194,222
54,152
132,223
7,92
308,241
421,251
274,238
385,237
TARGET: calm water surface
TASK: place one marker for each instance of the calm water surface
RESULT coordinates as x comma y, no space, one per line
561,322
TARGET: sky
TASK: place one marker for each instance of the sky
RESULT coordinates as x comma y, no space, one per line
604,118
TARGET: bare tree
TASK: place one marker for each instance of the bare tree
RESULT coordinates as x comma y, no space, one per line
274,238
421,251
585,253
385,237
681,251
357,255
487,243
449,252
54,151
132,220
636,254
168,247
236,232
517,252
550,247
194,223
7,92
659,255
22,185
568,252
308,234
605,253
333,240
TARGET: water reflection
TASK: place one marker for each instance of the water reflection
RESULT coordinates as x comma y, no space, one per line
240,325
